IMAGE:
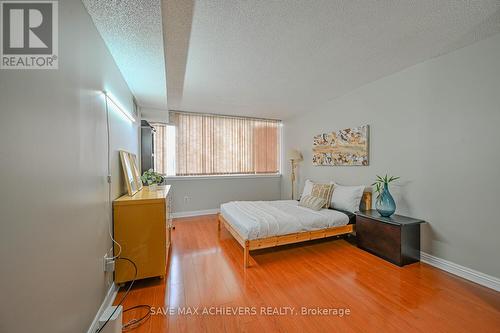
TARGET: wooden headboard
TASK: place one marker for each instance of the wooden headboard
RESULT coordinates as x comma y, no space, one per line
366,201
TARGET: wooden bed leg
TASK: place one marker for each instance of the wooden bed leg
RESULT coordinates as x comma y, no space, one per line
246,254
218,222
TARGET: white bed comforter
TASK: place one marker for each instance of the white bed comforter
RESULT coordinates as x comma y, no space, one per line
258,219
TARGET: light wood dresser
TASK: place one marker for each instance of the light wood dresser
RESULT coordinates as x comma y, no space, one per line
142,227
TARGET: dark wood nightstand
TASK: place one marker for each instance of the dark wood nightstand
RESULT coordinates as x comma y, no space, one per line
395,239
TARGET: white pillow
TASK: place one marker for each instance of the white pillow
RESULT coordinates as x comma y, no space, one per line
308,187
347,198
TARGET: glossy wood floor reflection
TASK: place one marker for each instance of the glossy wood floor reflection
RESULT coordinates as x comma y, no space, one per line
206,271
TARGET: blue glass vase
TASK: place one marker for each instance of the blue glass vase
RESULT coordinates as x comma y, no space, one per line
385,203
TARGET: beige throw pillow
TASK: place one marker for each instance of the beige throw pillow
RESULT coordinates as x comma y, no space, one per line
311,202
323,191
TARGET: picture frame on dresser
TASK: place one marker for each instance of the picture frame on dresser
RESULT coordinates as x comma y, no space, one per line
128,173
135,171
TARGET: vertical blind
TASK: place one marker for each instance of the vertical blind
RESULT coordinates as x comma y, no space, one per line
209,144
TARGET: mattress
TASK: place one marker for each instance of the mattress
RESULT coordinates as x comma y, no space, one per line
260,219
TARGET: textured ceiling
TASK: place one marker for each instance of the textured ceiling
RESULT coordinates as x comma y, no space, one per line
132,30
279,58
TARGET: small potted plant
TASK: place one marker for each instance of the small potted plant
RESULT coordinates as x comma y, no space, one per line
151,179
384,204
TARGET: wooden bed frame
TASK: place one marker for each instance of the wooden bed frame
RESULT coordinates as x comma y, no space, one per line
298,237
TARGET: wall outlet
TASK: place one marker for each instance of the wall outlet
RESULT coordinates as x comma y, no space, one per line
108,262
187,199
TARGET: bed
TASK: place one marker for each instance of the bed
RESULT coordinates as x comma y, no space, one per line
264,224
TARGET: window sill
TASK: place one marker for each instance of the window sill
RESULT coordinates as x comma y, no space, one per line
221,177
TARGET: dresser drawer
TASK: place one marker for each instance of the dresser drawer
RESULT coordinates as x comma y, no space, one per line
382,239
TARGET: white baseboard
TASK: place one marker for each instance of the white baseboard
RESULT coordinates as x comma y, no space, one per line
464,272
195,213
108,300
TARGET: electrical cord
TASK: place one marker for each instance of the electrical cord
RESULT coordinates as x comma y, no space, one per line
110,217
134,322
137,322
124,295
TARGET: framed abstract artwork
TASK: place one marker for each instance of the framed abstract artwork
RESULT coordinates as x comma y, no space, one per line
345,147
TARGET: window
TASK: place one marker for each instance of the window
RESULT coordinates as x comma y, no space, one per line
164,148
196,144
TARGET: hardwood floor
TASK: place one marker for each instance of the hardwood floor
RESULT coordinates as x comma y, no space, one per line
206,272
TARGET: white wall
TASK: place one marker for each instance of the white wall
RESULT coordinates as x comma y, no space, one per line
436,125
154,115
54,215
210,193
